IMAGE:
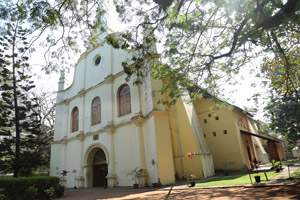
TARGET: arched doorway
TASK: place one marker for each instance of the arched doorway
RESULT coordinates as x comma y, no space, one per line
99,169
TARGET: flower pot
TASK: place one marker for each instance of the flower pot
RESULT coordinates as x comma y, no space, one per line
277,169
192,183
155,185
135,185
257,179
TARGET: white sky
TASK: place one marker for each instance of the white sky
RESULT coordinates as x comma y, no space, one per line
243,91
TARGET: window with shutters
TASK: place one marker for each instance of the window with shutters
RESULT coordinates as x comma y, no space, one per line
124,100
96,111
75,121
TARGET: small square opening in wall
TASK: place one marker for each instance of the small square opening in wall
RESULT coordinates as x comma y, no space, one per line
225,131
209,115
95,137
214,134
205,121
217,118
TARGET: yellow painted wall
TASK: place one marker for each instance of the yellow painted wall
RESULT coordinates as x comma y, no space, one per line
242,123
261,153
247,141
175,146
225,148
187,141
164,149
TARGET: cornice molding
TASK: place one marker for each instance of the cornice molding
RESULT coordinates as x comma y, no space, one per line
110,128
109,79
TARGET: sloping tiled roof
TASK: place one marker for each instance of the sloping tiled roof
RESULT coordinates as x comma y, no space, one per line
206,94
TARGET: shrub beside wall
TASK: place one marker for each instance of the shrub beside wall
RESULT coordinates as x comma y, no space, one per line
19,188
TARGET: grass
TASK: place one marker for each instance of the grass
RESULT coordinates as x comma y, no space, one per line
289,162
296,174
285,163
267,165
237,179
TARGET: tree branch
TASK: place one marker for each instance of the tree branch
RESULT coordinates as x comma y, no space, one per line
285,12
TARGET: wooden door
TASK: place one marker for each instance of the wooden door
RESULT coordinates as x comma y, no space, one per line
273,151
99,175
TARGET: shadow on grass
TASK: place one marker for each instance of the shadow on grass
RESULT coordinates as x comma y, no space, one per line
239,179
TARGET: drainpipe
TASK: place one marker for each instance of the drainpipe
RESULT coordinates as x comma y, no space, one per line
179,144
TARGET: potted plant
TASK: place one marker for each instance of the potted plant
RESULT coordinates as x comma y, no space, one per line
134,173
276,165
255,165
154,184
192,182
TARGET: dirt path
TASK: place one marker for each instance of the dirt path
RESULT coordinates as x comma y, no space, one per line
278,188
231,193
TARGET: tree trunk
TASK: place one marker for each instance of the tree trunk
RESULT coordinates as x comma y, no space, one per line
17,152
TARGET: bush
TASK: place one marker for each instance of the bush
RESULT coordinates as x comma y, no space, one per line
15,188
59,190
49,192
25,172
2,196
31,192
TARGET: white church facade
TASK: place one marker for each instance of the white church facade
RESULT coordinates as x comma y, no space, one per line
107,128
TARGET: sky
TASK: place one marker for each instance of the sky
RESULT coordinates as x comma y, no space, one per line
242,92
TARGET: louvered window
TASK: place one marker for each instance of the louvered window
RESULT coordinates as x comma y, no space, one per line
75,121
96,111
124,101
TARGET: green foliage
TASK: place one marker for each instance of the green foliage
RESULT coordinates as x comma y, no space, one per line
59,190
31,192
15,188
49,192
207,42
284,106
20,128
54,25
276,165
2,196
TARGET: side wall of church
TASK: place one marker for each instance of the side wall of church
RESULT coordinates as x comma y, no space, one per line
184,140
221,134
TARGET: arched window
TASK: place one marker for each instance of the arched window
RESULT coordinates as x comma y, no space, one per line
96,111
124,101
75,116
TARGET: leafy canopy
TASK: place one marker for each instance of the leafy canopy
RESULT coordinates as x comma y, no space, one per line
207,42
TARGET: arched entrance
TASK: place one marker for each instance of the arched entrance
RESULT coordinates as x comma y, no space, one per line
99,170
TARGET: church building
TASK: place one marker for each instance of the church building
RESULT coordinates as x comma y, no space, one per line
110,132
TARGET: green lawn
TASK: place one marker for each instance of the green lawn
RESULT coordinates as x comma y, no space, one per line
236,179
289,162
296,174
285,163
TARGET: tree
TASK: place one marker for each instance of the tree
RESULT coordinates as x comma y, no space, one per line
60,27
207,42
23,24
19,126
284,107
45,112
